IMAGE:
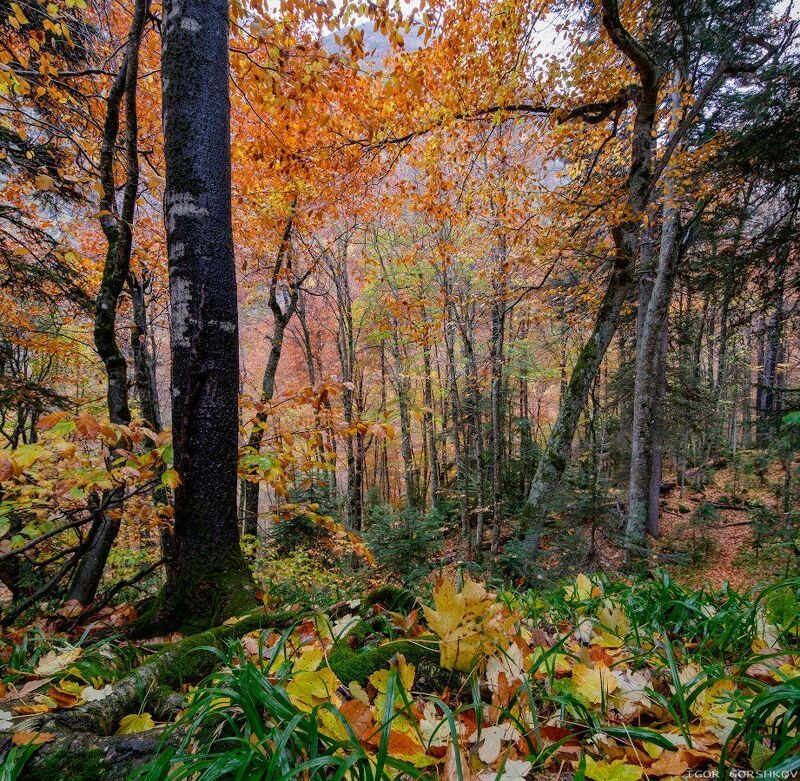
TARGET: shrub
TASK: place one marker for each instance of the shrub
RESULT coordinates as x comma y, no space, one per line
404,541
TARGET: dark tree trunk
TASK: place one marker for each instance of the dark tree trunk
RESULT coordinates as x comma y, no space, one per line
117,225
143,362
626,237
428,419
252,489
207,578
497,344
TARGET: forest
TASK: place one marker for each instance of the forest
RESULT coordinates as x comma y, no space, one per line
399,390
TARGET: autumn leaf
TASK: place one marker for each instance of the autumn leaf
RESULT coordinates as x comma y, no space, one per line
593,684
308,689
359,717
490,741
170,478
90,694
53,662
46,422
87,425
31,738
468,622
135,722
43,181
617,770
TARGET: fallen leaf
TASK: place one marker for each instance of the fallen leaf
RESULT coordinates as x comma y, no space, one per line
135,722
53,662
359,717
618,770
593,684
31,738
90,694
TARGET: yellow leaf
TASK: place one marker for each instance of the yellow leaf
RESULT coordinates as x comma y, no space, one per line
309,689
469,622
618,770
309,661
135,722
171,478
18,15
593,684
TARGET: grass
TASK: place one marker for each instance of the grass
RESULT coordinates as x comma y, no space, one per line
720,658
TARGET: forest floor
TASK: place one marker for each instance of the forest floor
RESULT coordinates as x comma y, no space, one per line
725,543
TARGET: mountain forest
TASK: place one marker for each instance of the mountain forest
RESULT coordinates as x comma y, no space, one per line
399,389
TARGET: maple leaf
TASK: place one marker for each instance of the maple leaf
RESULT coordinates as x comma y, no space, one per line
615,624
309,689
359,716
308,661
512,770
593,684
468,622
490,741
135,722
508,663
630,699
582,590
617,770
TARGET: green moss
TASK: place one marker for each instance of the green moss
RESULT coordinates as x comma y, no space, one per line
199,602
88,765
350,665
392,598
190,659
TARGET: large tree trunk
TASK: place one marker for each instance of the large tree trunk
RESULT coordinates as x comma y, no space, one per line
646,386
626,237
207,578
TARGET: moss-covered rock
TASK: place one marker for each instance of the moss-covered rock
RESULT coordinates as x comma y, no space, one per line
357,665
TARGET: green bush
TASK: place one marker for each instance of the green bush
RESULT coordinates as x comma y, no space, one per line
404,541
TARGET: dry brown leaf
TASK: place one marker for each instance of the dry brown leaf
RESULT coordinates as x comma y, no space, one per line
31,738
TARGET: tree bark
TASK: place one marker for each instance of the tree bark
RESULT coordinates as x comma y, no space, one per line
646,386
497,344
207,578
405,422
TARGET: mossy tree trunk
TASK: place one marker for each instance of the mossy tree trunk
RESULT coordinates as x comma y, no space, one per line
207,578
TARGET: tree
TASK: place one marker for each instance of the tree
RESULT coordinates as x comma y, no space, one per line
207,579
